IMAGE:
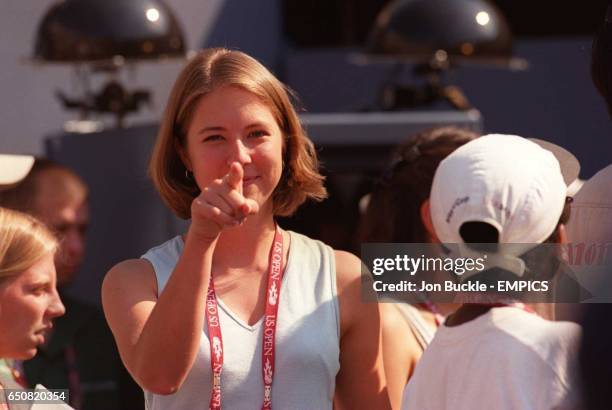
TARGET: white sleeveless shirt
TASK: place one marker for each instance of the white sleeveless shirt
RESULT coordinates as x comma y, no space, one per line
422,330
307,338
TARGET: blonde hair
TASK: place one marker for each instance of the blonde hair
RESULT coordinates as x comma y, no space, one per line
206,72
23,241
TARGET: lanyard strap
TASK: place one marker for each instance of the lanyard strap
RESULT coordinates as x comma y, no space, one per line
275,276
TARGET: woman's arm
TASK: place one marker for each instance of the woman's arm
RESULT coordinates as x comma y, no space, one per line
158,339
401,351
360,383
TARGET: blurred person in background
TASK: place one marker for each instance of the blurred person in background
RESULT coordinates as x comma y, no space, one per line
394,215
592,223
592,207
58,197
80,353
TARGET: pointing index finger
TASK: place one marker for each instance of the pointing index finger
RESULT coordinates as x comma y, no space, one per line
234,176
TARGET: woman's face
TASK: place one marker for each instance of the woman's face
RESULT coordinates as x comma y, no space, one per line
28,304
228,125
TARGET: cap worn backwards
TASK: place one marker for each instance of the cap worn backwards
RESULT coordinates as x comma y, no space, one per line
504,180
507,181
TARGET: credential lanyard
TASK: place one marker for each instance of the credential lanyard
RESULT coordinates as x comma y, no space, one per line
275,276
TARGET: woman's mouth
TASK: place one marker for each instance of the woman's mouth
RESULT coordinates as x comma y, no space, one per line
42,334
249,180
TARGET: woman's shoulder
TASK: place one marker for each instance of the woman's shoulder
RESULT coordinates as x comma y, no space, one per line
348,267
128,275
308,252
399,339
171,248
346,264
302,242
130,267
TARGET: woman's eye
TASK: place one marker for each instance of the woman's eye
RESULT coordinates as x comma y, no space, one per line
39,290
258,133
215,137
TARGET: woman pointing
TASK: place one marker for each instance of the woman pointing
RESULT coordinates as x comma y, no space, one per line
239,313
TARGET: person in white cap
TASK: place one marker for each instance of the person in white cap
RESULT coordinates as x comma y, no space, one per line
13,168
497,189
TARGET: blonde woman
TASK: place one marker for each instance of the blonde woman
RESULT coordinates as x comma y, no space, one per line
239,313
28,297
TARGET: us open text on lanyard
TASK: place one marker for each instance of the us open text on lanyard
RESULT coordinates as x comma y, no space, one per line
275,276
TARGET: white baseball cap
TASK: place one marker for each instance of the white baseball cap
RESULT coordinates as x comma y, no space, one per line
13,168
507,181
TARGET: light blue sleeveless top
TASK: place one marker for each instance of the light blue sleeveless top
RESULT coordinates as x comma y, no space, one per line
307,338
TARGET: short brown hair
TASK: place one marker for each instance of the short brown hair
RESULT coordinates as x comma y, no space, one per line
210,70
23,241
23,196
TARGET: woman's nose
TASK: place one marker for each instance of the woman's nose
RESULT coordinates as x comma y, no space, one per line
240,153
56,307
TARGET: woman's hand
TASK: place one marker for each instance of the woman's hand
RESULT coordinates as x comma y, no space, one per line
221,205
